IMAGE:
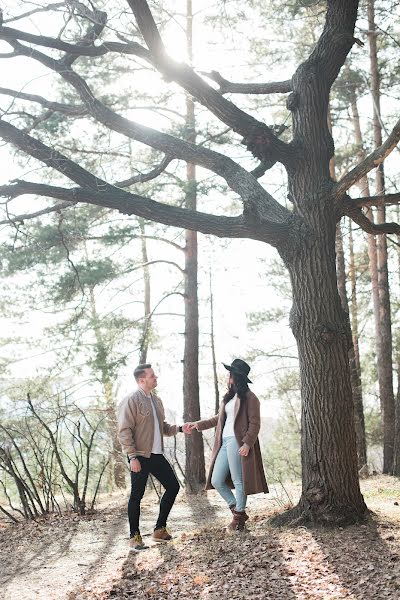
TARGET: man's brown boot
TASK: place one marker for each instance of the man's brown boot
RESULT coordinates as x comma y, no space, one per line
161,535
238,521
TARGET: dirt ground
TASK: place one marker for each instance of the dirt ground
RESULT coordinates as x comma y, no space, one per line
71,558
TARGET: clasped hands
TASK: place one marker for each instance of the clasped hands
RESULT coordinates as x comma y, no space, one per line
188,428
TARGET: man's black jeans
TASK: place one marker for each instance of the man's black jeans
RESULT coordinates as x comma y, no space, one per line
160,468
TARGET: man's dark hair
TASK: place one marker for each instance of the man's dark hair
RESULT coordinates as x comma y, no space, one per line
139,371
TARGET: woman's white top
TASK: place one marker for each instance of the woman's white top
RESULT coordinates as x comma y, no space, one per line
230,418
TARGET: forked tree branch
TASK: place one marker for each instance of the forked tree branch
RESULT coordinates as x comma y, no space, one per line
94,190
355,213
372,161
255,198
258,137
133,204
132,48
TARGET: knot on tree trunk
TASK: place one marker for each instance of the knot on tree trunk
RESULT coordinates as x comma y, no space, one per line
327,333
258,142
292,101
315,494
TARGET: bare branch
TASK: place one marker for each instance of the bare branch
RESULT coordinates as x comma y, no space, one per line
254,196
356,214
9,34
385,200
38,213
47,8
372,161
225,86
67,109
258,137
142,177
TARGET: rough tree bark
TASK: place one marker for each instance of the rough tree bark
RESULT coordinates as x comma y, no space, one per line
303,236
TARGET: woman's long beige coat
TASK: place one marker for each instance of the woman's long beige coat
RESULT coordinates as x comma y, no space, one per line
246,428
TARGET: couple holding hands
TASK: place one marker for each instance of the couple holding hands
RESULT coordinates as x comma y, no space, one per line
236,457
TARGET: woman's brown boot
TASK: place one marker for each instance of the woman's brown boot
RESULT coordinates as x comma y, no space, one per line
238,521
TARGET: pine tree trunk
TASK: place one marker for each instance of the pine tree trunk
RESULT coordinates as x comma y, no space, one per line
353,355
396,452
372,252
385,365
144,341
194,465
214,361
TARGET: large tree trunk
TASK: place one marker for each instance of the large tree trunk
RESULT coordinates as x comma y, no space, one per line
194,466
330,491
385,364
320,325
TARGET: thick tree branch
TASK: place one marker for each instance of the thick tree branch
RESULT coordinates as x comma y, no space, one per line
258,137
9,34
225,86
133,204
336,39
356,214
256,200
372,161
94,190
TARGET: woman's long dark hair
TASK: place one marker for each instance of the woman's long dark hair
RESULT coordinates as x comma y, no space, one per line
239,387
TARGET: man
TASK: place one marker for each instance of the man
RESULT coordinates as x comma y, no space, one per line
141,427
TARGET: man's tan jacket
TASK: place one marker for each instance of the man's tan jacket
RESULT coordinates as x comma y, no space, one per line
136,423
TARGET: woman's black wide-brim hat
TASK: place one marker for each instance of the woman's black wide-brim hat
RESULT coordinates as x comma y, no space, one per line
240,367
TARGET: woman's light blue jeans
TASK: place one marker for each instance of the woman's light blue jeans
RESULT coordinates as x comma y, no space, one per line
228,459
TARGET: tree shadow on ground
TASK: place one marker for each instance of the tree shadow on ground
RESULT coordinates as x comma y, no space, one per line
24,554
202,511
209,563
364,557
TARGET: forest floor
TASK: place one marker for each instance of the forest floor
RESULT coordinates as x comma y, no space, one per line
72,558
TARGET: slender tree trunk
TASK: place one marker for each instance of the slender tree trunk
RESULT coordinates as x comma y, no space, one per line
214,361
372,244
396,453
144,341
385,364
194,467
354,359
354,366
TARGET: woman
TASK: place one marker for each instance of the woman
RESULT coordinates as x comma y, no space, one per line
236,457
